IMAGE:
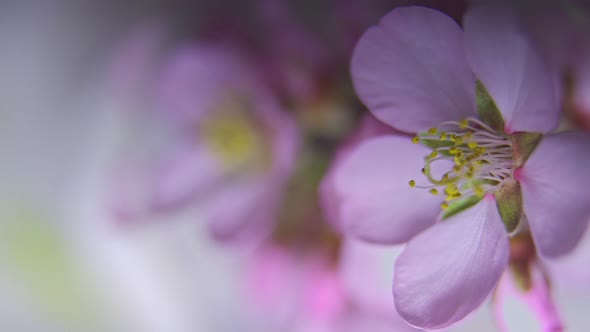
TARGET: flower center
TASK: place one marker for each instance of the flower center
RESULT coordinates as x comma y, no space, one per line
479,160
235,137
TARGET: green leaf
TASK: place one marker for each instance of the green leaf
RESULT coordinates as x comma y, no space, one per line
509,203
486,108
461,205
523,144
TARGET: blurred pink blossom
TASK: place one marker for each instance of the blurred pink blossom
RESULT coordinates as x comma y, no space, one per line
306,292
233,146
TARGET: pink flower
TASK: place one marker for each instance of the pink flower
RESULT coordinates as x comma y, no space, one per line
293,291
287,288
233,146
418,72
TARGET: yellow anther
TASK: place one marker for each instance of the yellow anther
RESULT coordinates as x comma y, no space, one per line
412,183
432,131
453,150
458,140
443,136
463,123
451,197
433,191
451,189
459,161
444,205
472,145
433,154
468,135
416,140
469,175
457,169
453,137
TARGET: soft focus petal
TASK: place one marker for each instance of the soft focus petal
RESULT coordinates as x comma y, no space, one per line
517,309
283,134
243,211
367,274
446,272
190,172
371,196
271,287
556,191
287,289
557,29
522,86
196,78
411,70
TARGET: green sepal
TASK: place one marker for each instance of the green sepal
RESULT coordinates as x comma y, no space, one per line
523,145
509,203
487,110
461,204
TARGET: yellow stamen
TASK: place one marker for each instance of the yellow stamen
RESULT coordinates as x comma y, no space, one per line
451,188
463,123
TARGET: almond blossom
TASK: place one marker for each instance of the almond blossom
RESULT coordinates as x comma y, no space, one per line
232,149
483,164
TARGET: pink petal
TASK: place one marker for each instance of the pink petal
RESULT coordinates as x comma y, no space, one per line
196,78
371,196
369,127
514,307
367,274
556,192
191,171
522,86
244,210
411,70
447,272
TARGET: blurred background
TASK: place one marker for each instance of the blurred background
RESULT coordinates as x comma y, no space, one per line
161,165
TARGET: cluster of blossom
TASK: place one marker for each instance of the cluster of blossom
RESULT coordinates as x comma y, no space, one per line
466,154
